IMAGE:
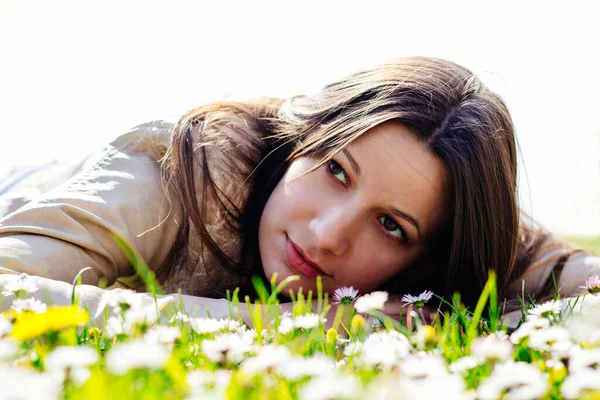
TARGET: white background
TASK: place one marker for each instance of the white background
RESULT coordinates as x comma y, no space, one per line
74,74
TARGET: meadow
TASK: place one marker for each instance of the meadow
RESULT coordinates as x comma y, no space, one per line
591,243
56,352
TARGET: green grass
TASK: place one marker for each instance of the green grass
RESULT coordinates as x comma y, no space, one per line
295,356
590,243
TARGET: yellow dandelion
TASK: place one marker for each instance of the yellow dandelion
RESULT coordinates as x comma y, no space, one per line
11,315
30,325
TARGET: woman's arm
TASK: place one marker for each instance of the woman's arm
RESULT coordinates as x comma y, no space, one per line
68,228
90,297
578,268
571,276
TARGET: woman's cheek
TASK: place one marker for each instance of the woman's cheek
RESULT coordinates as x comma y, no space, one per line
308,193
375,265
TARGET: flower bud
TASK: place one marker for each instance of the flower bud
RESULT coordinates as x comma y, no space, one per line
357,325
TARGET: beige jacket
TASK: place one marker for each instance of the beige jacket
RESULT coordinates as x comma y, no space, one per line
120,189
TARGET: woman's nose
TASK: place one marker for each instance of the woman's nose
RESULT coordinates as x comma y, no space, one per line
332,230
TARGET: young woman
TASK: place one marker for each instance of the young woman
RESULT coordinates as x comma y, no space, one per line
399,178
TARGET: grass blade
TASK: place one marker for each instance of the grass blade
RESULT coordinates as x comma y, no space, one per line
145,273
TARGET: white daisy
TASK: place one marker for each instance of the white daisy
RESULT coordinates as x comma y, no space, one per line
162,334
21,383
71,357
114,327
561,349
417,301
344,295
72,362
437,387
582,380
248,336
139,316
548,309
29,304
120,300
286,325
371,301
135,355
425,366
226,348
548,339
584,330
527,328
464,365
492,348
353,349
268,357
208,385
384,349
300,367
584,359
440,387
425,376
211,325
330,386
20,287
308,321
514,380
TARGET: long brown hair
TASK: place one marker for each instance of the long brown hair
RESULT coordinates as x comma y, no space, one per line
449,110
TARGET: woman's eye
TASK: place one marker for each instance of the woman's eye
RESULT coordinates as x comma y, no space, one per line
393,229
337,171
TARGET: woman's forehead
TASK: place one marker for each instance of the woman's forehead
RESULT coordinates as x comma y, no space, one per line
395,168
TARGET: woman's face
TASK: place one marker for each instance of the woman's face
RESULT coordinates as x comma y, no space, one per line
360,218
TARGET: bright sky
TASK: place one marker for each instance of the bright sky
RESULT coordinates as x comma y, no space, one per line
76,74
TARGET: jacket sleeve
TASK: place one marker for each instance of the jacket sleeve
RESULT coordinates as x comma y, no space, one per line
557,269
67,228
579,267
570,268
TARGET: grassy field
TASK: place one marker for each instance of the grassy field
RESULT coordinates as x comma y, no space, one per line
587,242
146,351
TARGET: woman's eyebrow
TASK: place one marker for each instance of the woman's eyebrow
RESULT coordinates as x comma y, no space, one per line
393,210
406,217
353,162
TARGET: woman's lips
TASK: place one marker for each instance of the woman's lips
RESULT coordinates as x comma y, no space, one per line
298,263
